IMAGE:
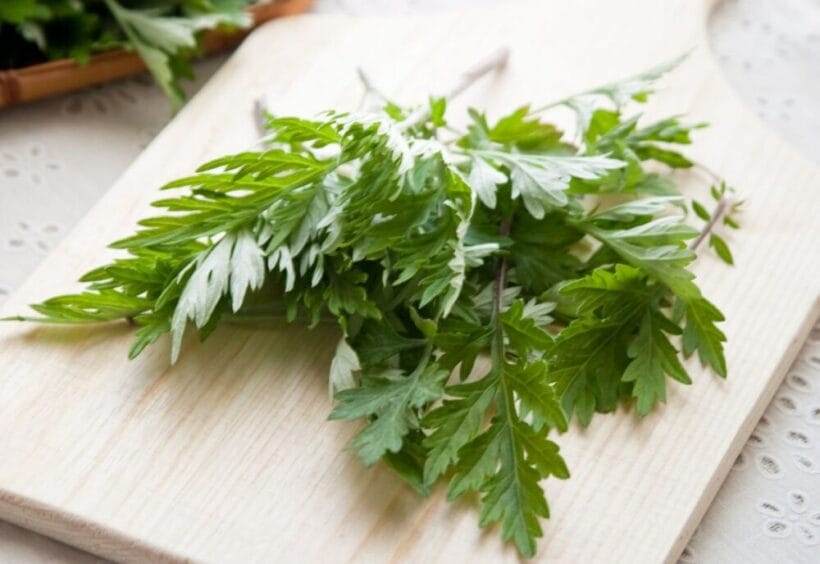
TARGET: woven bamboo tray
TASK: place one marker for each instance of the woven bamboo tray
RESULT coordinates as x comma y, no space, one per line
18,86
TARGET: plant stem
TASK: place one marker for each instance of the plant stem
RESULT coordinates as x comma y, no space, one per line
721,208
498,293
369,87
504,400
709,172
495,61
259,117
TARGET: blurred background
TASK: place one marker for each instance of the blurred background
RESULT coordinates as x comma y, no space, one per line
59,155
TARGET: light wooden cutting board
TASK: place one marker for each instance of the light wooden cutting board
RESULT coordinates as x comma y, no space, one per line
228,456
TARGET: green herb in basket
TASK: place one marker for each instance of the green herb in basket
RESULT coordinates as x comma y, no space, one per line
165,34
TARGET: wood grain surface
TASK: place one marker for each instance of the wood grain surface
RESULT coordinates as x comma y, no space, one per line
228,456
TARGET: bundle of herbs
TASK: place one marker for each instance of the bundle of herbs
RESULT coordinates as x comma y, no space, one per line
164,33
488,283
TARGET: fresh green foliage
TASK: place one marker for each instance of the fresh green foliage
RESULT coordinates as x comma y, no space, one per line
164,34
487,284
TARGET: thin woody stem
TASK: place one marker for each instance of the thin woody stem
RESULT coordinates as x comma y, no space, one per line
259,118
495,61
709,172
722,207
500,275
369,87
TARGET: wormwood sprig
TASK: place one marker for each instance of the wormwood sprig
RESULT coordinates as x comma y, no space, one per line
567,262
725,211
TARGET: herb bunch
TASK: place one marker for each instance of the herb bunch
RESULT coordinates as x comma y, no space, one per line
165,34
566,261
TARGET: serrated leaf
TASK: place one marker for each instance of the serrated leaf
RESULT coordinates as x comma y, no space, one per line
657,247
589,357
408,463
462,341
484,180
530,383
653,357
608,293
391,402
232,266
522,333
541,181
478,460
702,335
343,368
512,495
540,251
455,423
586,365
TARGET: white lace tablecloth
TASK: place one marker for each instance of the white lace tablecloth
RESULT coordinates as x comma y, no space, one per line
57,157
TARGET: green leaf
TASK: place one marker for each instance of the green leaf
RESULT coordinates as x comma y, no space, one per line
345,294
540,252
587,362
20,11
408,463
152,327
721,248
391,400
702,335
343,367
91,307
512,495
378,341
541,181
507,461
700,211
438,107
477,461
163,42
653,357
608,293
455,423
644,208
658,248
530,383
672,158
527,133
730,222
484,180
522,333
461,342
602,121
589,357
654,184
